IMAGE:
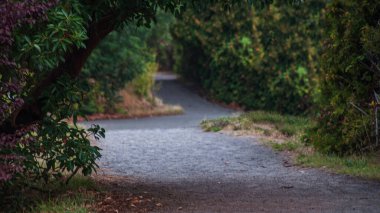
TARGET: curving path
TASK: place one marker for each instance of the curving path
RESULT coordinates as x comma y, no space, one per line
193,171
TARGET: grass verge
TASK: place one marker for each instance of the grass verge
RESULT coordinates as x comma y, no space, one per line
99,193
77,196
284,133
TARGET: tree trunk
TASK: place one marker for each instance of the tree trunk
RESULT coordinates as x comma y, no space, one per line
31,112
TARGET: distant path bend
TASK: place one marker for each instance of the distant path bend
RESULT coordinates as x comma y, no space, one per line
195,171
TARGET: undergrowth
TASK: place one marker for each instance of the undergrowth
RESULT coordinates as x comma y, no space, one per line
76,196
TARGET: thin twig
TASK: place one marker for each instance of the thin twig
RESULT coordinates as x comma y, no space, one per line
72,175
358,108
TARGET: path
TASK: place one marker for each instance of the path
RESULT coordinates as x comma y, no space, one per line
193,171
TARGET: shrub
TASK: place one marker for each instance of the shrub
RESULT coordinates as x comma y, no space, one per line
35,38
259,59
349,78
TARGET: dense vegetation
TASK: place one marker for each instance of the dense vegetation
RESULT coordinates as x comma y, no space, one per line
119,58
131,53
258,58
349,78
36,43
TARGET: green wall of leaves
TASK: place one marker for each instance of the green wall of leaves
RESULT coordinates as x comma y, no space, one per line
258,58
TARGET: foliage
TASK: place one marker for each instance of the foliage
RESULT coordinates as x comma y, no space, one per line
49,145
127,54
59,147
143,84
121,57
349,78
14,15
260,59
161,40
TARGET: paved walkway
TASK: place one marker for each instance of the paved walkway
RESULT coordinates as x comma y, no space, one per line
193,171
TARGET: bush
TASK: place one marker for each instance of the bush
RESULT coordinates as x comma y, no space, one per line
349,77
41,144
259,59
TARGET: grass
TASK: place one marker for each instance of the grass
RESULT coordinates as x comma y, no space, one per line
286,146
69,204
361,166
77,196
291,129
287,125
216,125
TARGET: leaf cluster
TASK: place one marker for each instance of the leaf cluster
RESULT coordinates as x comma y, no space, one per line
257,58
52,147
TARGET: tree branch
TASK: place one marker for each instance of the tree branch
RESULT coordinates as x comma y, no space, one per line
74,61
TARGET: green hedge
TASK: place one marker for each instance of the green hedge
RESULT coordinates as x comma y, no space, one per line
349,78
259,59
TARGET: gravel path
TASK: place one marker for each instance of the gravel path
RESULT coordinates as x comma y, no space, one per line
193,171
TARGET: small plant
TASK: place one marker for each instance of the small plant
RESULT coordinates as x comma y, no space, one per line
285,146
215,125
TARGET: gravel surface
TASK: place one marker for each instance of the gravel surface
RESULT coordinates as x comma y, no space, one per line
192,171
